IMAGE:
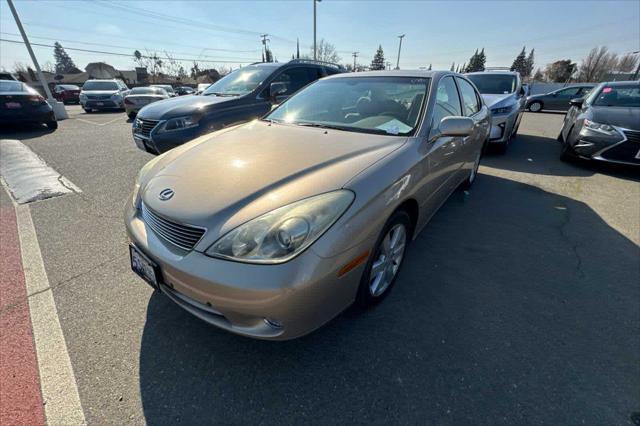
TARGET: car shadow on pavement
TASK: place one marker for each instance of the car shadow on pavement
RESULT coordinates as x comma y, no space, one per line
514,305
25,131
541,155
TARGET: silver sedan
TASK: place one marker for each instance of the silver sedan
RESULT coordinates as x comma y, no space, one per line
142,96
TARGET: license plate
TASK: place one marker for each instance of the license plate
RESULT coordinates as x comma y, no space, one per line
139,143
13,105
144,267
99,103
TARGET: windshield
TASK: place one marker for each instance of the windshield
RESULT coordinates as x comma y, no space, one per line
69,87
493,84
618,96
148,91
100,85
240,82
11,86
382,105
164,86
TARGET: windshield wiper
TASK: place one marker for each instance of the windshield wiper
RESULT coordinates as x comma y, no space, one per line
345,128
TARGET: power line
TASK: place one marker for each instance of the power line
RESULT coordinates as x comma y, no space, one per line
244,60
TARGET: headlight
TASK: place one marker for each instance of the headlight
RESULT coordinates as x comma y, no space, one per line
179,123
116,96
502,110
83,97
605,129
282,234
143,171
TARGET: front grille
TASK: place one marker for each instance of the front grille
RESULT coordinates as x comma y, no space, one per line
144,127
632,135
98,97
625,152
183,236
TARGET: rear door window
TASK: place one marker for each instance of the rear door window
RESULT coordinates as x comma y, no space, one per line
296,78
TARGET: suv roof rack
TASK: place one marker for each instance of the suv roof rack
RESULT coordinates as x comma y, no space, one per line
313,61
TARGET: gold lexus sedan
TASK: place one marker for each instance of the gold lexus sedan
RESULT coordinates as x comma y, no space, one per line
271,228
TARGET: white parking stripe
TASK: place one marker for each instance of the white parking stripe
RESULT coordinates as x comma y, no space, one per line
57,380
98,124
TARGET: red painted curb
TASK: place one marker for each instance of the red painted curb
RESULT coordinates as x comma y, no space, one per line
20,396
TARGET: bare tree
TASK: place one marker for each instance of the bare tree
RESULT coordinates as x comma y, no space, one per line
598,63
326,52
627,63
49,67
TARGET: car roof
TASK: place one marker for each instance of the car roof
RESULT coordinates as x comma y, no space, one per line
621,83
103,79
503,72
394,73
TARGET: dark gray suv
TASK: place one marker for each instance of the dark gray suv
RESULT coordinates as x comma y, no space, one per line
241,96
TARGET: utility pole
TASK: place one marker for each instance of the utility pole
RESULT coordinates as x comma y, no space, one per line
355,55
315,51
399,48
264,45
58,107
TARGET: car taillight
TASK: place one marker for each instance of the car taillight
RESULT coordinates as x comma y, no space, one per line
128,101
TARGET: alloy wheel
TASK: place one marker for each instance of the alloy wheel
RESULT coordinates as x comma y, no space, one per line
388,260
535,107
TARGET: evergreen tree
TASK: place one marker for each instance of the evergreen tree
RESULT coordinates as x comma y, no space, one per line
268,55
377,63
473,61
429,69
64,63
463,68
538,76
530,62
482,60
520,63
453,66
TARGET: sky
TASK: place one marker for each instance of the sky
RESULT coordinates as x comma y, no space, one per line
227,33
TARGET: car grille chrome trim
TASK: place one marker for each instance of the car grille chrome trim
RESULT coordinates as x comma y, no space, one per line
145,127
183,236
630,143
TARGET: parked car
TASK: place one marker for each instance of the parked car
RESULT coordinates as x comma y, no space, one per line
7,76
66,93
185,90
503,93
20,104
240,96
558,100
604,126
202,87
103,94
167,87
141,96
271,228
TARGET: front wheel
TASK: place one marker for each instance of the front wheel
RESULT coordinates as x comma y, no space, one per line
535,106
384,264
131,115
52,124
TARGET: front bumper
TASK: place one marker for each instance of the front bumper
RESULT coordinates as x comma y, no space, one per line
158,143
300,295
502,126
624,149
102,104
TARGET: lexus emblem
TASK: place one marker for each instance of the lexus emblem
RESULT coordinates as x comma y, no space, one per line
165,194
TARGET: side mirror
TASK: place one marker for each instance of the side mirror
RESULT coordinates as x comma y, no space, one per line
455,126
276,89
577,102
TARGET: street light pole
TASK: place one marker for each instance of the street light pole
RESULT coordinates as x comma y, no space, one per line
315,52
58,110
355,55
399,48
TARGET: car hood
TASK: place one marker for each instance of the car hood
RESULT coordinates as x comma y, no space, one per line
629,118
100,92
179,106
223,179
493,100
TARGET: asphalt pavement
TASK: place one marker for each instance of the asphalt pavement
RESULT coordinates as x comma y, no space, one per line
518,303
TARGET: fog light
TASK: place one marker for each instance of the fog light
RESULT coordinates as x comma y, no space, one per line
273,323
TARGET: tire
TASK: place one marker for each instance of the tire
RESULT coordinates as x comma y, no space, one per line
468,183
535,106
88,110
52,124
131,115
566,153
368,293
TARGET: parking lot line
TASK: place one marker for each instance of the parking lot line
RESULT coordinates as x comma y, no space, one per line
57,380
99,124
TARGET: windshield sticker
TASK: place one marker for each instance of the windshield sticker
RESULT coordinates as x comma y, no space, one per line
393,127
607,90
